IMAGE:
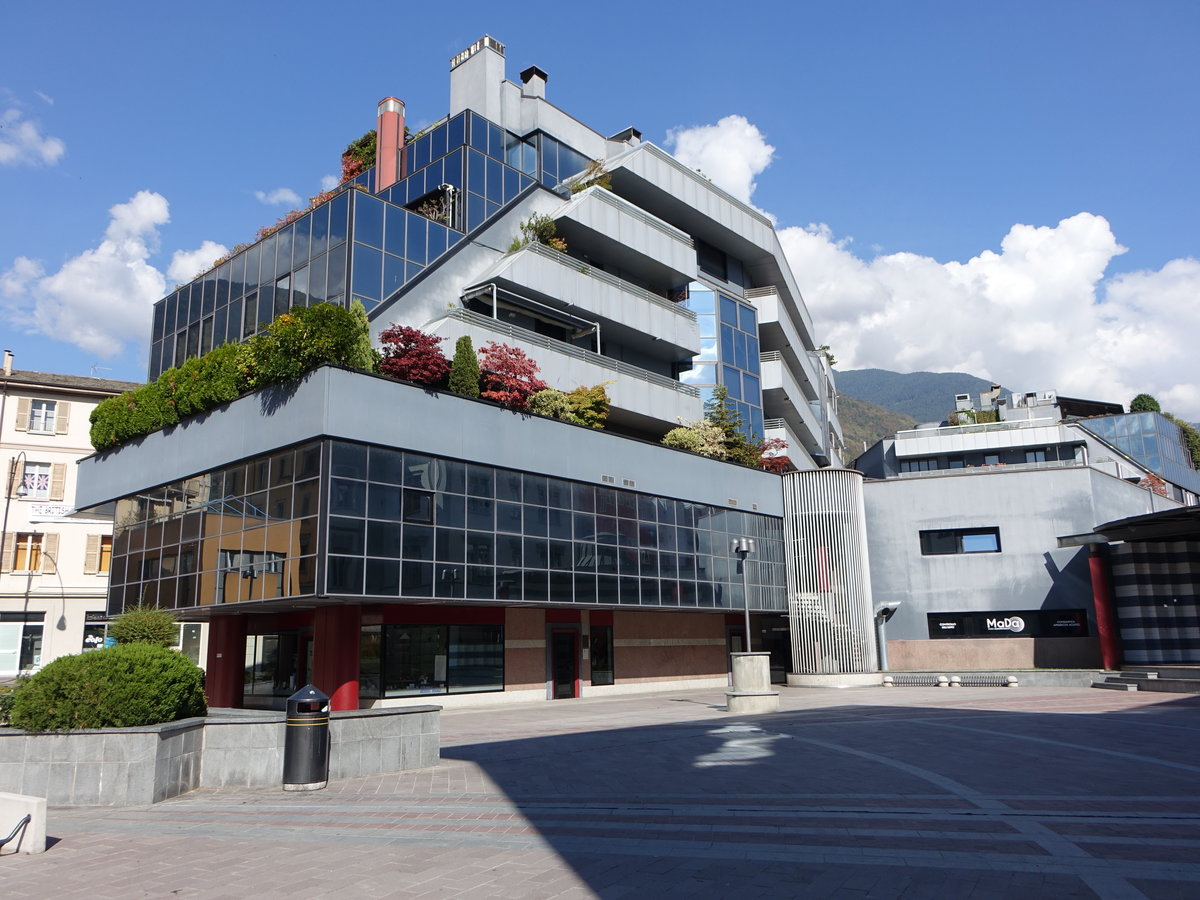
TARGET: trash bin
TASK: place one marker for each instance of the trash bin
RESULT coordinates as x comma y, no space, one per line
306,741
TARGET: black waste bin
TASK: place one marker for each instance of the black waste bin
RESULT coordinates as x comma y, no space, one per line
306,741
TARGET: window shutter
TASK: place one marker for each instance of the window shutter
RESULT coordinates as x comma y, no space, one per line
16,471
49,554
58,480
22,414
10,549
62,417
91,556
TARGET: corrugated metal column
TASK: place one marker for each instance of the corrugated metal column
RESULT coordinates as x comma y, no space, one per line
829,584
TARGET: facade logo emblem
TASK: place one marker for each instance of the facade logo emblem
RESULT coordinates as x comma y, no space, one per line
1012,623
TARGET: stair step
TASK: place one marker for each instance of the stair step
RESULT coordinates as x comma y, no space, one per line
1114,685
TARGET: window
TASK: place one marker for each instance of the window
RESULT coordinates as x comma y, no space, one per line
41,416
407,660
35,478
918,465
105,561
97,558
602,654
1035,456
29,553
960,540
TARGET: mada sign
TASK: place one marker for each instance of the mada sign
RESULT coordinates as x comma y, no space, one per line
1009,623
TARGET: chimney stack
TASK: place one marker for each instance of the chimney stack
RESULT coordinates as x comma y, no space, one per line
8,358
533,82
389,143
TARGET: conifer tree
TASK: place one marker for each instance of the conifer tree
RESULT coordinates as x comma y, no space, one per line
464,371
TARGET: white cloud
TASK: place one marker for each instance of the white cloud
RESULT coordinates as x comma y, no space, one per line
732,153
22,143
278,197
101,298
187,264
46,98
1039,314
329,182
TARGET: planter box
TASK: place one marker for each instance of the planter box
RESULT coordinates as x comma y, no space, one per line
231,748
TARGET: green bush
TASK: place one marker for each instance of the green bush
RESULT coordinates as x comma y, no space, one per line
125,686
554,404
590,404
464,370
8,693
120,419
145,625
304,338
1144,403
204,382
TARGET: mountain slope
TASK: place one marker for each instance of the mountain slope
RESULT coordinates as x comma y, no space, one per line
864,423
925,396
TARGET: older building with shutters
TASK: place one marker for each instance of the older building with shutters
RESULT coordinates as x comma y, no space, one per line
55,563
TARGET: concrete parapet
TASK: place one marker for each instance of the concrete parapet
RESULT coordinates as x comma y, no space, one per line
31,838
837,680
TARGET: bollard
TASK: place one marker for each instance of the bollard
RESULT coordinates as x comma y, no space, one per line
306,741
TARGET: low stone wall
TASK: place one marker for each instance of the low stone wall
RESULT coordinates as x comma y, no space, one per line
229,748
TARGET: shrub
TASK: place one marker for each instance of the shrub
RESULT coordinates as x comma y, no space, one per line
554,404
119,687
8,693
464,371
540,229
1144,403
205,382
413,355
683,438
145,625
509,376
590,404
120,419
302,339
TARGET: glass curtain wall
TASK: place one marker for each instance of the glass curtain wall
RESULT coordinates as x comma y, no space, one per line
729,353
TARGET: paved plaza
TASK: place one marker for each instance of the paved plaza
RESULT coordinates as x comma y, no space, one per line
887,793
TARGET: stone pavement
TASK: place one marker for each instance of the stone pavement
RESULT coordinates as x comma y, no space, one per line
871,793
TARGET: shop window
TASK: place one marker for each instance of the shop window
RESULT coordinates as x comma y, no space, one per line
960,540
409,660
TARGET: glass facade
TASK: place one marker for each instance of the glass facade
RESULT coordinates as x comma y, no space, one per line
357,245
1153,440
408,660
398,525
729,353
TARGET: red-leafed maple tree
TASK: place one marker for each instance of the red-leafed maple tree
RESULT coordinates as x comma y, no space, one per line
413,355
509,376
778,461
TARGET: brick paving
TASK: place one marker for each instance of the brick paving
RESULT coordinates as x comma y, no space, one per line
868,793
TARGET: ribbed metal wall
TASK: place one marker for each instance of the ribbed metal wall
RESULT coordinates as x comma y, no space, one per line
829,583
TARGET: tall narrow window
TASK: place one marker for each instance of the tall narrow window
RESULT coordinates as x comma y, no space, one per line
42,416
29,553
602,654
104,564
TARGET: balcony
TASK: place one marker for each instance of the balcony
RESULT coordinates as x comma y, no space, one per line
777,332
628,239
654,401
634,316
959,439
784,398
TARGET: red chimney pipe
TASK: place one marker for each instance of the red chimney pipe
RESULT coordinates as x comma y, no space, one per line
389,143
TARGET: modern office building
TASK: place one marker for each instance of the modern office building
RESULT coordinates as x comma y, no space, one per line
965,522
385,542
55,561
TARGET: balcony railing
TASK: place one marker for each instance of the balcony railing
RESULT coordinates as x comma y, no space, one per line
949,430
540,340
996,467
600,275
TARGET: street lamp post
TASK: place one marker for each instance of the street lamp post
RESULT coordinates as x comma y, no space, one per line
8,491
743,547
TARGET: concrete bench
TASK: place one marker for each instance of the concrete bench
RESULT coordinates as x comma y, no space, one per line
29,837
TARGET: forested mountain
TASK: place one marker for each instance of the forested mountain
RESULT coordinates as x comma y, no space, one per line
925,396
864,423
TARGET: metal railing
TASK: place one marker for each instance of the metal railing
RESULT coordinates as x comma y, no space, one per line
540,340
600,275
606,196
980,428
992,468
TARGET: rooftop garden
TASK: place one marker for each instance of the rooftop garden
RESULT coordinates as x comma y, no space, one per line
306,337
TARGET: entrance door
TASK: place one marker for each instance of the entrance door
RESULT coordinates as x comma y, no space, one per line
564,663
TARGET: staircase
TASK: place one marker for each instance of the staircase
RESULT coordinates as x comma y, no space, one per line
1165,679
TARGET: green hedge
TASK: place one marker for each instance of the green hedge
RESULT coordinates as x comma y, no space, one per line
295,343
125,686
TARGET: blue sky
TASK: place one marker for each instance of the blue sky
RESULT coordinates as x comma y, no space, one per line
1007,189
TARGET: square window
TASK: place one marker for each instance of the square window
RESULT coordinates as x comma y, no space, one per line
35,478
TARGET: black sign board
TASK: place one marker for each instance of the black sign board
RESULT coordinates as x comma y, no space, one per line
1009,623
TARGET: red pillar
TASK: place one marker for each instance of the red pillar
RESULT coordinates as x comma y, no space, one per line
1106,609
389,141
224,673
335,654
